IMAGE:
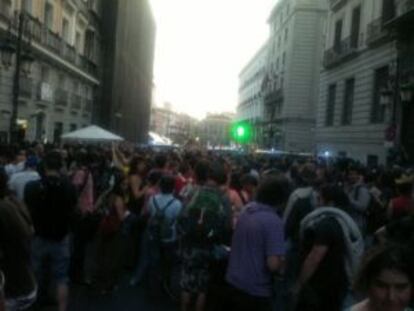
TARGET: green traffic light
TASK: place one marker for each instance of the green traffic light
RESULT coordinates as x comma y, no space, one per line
241,133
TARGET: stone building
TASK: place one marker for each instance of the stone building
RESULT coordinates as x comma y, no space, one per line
64,40
251,104
290,86
361,69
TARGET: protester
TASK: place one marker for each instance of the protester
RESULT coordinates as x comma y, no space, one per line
257,248
359,197
403,204
19,180
164,210
331,245
205,224
18,281
386,280
52,201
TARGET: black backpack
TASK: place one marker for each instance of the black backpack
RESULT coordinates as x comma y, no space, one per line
376,213
301,208
159,228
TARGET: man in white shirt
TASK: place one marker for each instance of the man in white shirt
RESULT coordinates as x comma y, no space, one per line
18,181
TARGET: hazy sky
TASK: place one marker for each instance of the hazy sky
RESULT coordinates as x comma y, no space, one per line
201,47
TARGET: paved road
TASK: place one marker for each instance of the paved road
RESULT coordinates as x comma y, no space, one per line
123,299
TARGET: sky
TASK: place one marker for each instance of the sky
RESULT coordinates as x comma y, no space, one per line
201,47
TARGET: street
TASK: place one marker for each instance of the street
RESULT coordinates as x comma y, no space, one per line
125,298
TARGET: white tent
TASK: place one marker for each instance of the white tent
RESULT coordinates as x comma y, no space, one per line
158,140
92,133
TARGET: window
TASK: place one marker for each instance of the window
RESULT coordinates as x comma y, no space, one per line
78,41
27,6
356,22
284,59
48,15
338,35
330,107
61,81
348,102
286,34
45,74
6,7
73,127
380,82
65,30
388,10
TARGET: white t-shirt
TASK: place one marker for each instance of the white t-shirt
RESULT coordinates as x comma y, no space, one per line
18,182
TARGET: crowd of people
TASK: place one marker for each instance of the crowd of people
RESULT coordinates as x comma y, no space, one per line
214,231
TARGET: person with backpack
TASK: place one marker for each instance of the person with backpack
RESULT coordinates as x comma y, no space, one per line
204,225
52,201
331,246
257,248
301,202
84,226
18,288
164,210
359,197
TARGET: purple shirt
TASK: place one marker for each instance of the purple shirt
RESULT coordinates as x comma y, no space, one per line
258,235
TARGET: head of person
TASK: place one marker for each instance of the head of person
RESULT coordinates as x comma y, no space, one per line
82,158
167,184
31,162
201,172
386,277
216,174
52,162
404,185
160,161
355,174
21,156
273,190
154,178
306,176
137,166
332,195
249,183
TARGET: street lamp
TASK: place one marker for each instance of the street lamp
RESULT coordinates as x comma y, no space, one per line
24,59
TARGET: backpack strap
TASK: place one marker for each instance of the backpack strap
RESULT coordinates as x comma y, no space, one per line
164,209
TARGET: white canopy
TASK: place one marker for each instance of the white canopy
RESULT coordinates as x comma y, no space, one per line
158,140
92,133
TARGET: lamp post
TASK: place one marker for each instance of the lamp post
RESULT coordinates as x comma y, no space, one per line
14,44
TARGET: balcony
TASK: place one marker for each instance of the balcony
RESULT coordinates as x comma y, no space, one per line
335,5
338,54
376,32
61,97
274,97
404,7
57,45
69,52
25,87
75,102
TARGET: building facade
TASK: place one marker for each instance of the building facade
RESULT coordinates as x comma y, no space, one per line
290,86
128,59
58,94
251,105
214,129
360,67
179,127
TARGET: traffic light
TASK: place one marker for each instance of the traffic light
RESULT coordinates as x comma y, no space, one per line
241,132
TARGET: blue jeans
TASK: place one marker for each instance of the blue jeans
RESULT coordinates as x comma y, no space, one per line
59,254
